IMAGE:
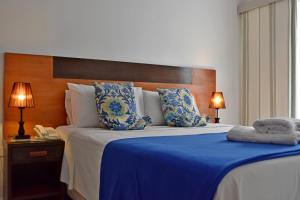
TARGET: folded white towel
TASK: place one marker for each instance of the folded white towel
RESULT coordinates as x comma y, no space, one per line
248,134
276,126
242,130
297,123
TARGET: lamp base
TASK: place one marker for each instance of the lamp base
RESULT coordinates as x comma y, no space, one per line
217,120
22,137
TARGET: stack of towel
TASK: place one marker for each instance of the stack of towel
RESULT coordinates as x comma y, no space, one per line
275,131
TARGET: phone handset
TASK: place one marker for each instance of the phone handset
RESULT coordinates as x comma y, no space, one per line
45,132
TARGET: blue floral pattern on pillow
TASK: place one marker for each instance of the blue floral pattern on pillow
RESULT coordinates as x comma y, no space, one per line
179,109
117,107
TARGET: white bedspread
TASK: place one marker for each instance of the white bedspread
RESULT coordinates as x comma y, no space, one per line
276,179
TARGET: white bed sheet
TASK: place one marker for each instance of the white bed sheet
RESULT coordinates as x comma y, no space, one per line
276,179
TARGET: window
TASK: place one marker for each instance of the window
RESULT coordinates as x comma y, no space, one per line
297,88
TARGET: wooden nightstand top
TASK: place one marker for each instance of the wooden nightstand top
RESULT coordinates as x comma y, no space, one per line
13,142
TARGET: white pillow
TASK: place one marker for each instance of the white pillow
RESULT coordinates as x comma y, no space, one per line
83,104
152,107
68,106
139,99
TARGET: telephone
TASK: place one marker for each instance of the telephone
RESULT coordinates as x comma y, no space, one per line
45,132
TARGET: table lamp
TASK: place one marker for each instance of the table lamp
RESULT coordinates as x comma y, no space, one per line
217,102
21,97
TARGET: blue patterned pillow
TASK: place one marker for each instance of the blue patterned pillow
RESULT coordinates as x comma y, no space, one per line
179,108
117,107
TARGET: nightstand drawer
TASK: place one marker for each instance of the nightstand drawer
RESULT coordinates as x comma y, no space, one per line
36,154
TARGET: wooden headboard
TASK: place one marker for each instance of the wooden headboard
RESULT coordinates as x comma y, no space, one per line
49,76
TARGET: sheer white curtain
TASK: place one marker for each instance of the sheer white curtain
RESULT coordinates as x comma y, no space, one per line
246,5
297,70
265,62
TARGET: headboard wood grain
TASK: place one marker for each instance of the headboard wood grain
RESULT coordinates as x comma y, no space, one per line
49,76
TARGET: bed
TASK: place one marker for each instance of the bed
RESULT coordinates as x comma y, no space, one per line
270,179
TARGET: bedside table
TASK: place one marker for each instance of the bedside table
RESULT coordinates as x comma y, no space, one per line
32,169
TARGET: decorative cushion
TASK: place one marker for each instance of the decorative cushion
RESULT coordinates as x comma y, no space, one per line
116,106
83,111
179,108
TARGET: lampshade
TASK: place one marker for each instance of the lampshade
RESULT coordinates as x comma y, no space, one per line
217,100
21,96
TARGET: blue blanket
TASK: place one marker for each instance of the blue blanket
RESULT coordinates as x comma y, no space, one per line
177,167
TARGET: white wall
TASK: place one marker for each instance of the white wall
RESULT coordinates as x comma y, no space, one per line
173,32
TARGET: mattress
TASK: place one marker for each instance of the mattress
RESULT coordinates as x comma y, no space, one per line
272,179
